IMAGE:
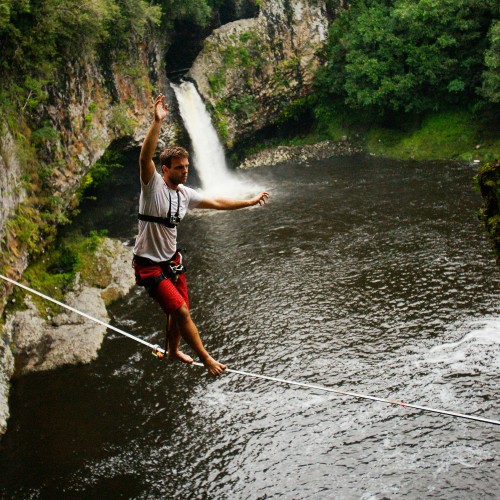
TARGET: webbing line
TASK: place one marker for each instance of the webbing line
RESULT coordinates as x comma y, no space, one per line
156,348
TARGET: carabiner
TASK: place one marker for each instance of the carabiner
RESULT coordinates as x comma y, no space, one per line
158,352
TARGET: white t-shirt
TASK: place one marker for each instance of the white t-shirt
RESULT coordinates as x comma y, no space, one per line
155,241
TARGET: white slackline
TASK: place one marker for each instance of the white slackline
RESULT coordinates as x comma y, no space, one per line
157,348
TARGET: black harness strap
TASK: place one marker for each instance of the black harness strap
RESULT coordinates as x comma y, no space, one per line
150,284
159,220
168,221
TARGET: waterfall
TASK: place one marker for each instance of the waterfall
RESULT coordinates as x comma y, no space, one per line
208,153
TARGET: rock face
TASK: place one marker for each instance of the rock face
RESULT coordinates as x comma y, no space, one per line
287,154
82,117
6,371
84,114
251,70
68,338
11,189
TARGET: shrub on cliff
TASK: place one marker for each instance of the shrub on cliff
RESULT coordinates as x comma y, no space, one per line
488,181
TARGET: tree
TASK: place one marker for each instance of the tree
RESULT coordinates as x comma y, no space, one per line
491,76
406,55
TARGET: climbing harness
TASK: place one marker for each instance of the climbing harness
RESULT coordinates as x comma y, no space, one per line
158,349
170,270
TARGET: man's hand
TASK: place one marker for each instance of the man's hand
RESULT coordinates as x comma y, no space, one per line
148,148
260,199
161,108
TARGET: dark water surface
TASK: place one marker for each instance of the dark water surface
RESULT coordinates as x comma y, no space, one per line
363,275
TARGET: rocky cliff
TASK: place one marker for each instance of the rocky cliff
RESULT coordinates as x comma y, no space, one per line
44,156
42,342
42,169
250,71
37,341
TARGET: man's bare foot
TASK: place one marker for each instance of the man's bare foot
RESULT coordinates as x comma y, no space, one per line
180,356
214,367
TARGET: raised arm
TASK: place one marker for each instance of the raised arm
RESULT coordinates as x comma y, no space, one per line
228,204
148,148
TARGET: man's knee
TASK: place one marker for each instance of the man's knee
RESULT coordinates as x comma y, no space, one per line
181,314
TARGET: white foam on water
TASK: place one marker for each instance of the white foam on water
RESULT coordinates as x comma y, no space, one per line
483,332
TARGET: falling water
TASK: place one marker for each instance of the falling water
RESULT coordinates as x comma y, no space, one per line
208,153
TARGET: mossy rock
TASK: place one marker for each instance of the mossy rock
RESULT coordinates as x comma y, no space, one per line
488,181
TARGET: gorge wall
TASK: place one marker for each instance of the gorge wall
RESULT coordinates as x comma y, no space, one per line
39,184
81,119
252,70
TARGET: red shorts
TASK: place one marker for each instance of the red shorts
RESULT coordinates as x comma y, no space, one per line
171,294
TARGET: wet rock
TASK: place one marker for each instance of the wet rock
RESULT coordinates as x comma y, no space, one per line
286,154
68,339
7,369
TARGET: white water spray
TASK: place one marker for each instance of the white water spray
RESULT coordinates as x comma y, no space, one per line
208,153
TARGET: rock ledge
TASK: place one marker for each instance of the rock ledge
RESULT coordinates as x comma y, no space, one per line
285,154
35,343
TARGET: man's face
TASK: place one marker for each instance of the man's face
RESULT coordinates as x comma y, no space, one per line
178,171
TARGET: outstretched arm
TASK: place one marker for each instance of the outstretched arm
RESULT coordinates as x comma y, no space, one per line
228,204
148,149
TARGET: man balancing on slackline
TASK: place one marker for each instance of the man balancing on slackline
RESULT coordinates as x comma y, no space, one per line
157,263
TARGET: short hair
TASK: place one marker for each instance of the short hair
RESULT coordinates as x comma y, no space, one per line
171,152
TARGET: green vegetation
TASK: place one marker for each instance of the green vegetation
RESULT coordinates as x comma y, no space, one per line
244,54
197,11
488,182
442,135
409,56
35,224
409,79
101,171
121,121
491,75
452,133
246,57
54,272
30,226
413,78
40,37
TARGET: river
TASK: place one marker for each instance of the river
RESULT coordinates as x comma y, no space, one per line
360,274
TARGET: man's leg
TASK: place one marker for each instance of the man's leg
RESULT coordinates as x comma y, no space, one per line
190,334
174,339
173,300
